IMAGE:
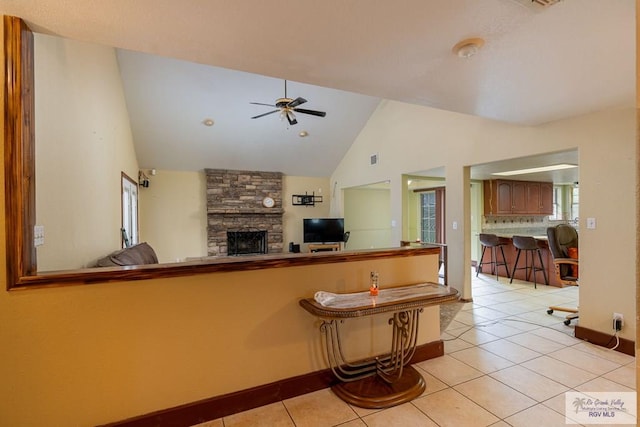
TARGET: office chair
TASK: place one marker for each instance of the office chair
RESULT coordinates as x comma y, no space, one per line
563,244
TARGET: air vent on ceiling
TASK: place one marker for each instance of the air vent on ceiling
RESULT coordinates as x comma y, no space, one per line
537,5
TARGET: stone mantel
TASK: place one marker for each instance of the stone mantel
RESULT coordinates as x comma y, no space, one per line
258,211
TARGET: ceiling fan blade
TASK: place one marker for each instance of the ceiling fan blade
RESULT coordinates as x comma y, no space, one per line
296,102
260,103
312,112
291,118
264,114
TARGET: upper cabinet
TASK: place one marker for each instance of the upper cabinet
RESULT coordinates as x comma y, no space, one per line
546,198
505,197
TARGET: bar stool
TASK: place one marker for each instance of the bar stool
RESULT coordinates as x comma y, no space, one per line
492,241
530,246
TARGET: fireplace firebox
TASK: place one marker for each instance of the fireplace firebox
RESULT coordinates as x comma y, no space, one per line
246,242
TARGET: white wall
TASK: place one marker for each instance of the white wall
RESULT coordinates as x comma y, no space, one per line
83,143
412,138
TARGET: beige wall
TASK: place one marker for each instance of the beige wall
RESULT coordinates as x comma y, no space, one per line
411,138
83,143
83,147
173,214
294,215
366,217
88,355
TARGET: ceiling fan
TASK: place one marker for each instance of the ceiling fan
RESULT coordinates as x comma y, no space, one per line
287,106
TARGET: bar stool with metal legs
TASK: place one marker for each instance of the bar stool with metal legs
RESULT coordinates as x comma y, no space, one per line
530,247
492,241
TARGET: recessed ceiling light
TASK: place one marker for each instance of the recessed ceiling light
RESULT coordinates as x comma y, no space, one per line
303,134
535,170
208,122
468,47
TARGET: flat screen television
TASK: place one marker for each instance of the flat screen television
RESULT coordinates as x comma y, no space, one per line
323,230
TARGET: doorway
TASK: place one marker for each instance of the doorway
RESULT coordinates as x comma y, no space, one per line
432,215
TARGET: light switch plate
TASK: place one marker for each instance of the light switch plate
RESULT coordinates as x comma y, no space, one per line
591,223
38,235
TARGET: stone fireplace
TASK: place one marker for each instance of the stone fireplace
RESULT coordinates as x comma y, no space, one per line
234,205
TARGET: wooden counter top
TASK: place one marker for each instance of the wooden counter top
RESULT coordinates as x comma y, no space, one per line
214,265
510,236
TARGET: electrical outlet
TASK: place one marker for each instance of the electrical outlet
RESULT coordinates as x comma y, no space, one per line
618,321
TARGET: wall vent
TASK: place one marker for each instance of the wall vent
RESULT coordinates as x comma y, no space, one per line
373,159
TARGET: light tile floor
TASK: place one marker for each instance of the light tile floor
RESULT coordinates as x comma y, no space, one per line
506,363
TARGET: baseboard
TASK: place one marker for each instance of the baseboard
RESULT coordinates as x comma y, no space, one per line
605,340
232,403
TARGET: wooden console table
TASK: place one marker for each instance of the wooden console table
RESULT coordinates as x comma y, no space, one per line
385,380
317,247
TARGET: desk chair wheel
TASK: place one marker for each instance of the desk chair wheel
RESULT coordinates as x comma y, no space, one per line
549,311
567,322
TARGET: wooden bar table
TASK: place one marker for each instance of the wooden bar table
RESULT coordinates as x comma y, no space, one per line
386,380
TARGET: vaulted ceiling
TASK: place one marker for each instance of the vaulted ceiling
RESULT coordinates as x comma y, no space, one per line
537,64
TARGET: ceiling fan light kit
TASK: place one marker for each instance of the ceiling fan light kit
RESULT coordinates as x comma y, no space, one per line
287,106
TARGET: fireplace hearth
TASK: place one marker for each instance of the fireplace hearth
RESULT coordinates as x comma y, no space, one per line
246,242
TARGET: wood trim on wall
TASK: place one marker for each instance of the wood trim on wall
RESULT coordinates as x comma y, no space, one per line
215,265
19,149
605,340
232,403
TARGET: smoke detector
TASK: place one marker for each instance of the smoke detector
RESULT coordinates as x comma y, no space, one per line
468,47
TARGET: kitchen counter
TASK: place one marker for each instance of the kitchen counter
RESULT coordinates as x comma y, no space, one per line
510,235
510,253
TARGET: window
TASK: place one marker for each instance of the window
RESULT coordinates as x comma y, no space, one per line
129,228
575,202
557,202
431,215
428,216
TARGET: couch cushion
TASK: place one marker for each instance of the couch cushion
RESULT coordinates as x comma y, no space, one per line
138,254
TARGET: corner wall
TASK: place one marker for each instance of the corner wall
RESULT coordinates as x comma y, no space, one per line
293,215
173,215
411,138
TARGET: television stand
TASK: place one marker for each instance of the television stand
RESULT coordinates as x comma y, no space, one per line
322,247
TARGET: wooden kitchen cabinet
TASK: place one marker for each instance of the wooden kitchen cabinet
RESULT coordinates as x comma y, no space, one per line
546,198
533,197
520,198
506,197
503,197
540,198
